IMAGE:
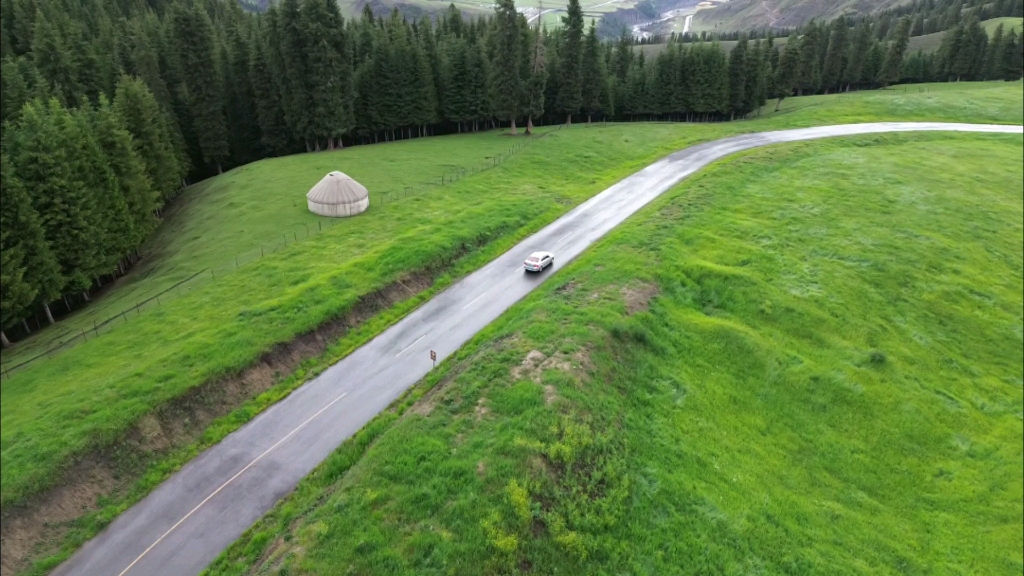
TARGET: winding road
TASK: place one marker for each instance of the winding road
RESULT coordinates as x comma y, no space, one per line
186,522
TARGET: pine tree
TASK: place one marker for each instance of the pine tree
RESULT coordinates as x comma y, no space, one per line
506,65
456,107
738,78
28,270
46,157
835,56
570,92
291,43
808,74
859,48
151,137
872,64
594,86
477,95
536,80
14,90
758,72
112,225
274,134
53,58
785,73
329,75
1012,57
22,26
993,55
892,68
423,90
129,170
242,117
143,61
194,43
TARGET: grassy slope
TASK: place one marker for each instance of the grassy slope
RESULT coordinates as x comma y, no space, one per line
932,42
828,381
750,14
91,394
926,43
262,205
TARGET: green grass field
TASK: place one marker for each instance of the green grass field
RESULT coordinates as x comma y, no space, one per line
804,360
89,396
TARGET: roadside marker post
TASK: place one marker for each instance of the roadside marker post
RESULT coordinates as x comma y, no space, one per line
433,358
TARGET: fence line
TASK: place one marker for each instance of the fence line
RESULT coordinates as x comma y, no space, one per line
447,177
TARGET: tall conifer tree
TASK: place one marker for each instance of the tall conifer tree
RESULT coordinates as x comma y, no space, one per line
194,42
570,89
506,65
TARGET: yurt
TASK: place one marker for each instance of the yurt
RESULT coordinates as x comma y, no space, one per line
338,195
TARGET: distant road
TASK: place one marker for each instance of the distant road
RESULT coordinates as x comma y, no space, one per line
185,523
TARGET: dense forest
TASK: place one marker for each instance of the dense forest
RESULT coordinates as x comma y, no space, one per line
110,106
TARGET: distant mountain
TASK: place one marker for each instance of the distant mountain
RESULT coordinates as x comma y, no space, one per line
755,14
411,9
254,5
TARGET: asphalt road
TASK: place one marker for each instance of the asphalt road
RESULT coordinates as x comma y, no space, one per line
185,523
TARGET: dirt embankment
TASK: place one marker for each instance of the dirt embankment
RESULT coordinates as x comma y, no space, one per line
38,528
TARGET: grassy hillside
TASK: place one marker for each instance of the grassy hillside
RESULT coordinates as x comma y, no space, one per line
258,209
932,42
926,43
753,14
91,396
805,360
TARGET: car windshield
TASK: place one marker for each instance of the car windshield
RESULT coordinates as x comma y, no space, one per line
531,259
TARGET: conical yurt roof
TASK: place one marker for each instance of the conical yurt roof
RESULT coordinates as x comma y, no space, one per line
337,188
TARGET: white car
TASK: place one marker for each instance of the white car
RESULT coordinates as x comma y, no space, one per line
538,261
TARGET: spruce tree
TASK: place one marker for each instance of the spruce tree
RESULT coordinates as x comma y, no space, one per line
151,136
54,59
593,73
506,64
808,74
872,64
266,89
835,56
242,118
129,170
143,61
758,72
478,100
537,79
570,89
858,51
1013,58
29,270
329,75
456,107
892,68
14,90
112,225
993,55
785,73
194,43
294,51
738,78
46,157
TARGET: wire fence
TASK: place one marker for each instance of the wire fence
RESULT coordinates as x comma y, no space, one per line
69,338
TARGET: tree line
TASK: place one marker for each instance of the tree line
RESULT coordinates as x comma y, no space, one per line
109,106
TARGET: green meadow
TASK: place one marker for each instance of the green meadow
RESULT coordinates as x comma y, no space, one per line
805,359
88,397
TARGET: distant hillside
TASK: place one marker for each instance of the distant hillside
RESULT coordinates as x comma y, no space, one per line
413,9
753,14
